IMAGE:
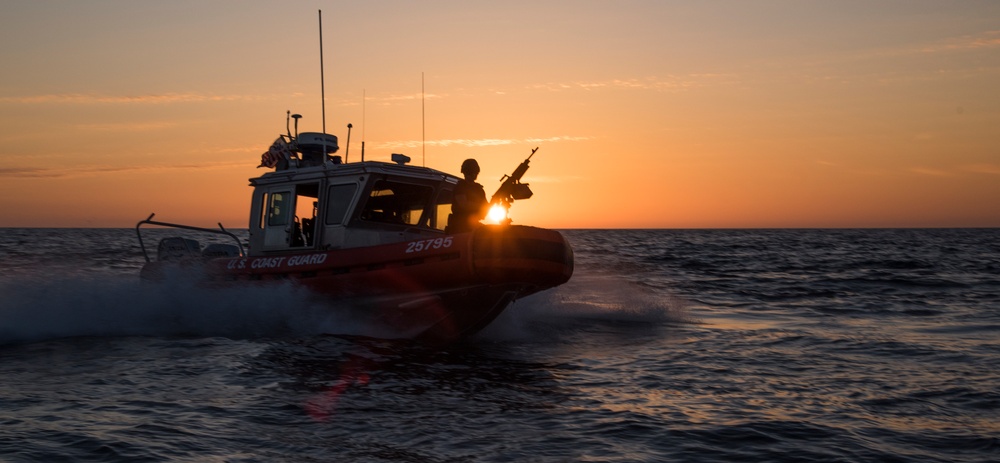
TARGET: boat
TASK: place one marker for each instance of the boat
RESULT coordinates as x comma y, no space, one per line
373,236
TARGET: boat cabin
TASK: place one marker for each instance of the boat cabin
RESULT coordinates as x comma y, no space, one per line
330,205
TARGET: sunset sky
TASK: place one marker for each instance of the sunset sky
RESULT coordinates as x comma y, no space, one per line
648,114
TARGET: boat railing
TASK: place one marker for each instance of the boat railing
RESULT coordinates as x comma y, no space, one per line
149,221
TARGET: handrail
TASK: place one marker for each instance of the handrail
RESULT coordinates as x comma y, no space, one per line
149,220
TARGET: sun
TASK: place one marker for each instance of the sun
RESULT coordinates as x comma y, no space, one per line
497,214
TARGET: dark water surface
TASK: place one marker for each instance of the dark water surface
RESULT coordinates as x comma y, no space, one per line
667,345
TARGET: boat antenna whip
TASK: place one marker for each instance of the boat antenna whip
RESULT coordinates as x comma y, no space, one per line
347,154
364,101
423,125
322,80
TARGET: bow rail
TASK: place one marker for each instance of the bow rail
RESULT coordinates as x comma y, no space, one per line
149,221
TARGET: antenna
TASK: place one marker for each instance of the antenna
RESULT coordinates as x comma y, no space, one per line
423,124
347,154
364,101
322,80
296,117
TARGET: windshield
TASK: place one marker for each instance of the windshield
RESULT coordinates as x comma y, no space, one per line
403,203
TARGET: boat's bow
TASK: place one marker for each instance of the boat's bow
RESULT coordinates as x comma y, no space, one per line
535,257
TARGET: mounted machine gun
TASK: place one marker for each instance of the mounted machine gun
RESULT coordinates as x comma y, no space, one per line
511,187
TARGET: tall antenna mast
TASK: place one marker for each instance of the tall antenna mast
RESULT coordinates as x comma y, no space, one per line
364,101
423,124
322,80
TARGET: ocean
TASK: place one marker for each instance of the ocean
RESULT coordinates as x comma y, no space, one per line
877,345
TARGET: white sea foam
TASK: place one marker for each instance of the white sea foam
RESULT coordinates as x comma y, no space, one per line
34,309
588,298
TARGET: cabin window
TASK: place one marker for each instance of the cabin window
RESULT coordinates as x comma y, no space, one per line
277,209
306,196
306,208
338,201
262,212
397,202
443,210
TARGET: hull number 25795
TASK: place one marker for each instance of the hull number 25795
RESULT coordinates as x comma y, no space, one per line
427,245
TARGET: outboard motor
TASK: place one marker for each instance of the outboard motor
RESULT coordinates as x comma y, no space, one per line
177,248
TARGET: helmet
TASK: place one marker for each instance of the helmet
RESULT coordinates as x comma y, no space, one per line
470,165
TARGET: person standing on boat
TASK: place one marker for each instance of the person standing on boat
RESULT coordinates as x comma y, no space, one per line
469,204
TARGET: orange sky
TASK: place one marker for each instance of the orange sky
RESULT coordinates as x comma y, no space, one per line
647,113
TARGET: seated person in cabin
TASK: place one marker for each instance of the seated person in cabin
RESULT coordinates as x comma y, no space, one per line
469,205
309,226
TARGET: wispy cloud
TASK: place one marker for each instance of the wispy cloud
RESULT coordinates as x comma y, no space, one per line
844,68
988,39
127,126
982,168
669,83
67,172
404,97
392,99
931,172
92,98
478,142
556,179
992,169
32,172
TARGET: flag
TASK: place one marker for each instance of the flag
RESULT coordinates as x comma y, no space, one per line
276,153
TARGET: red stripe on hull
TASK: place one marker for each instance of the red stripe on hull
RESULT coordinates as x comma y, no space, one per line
436,289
